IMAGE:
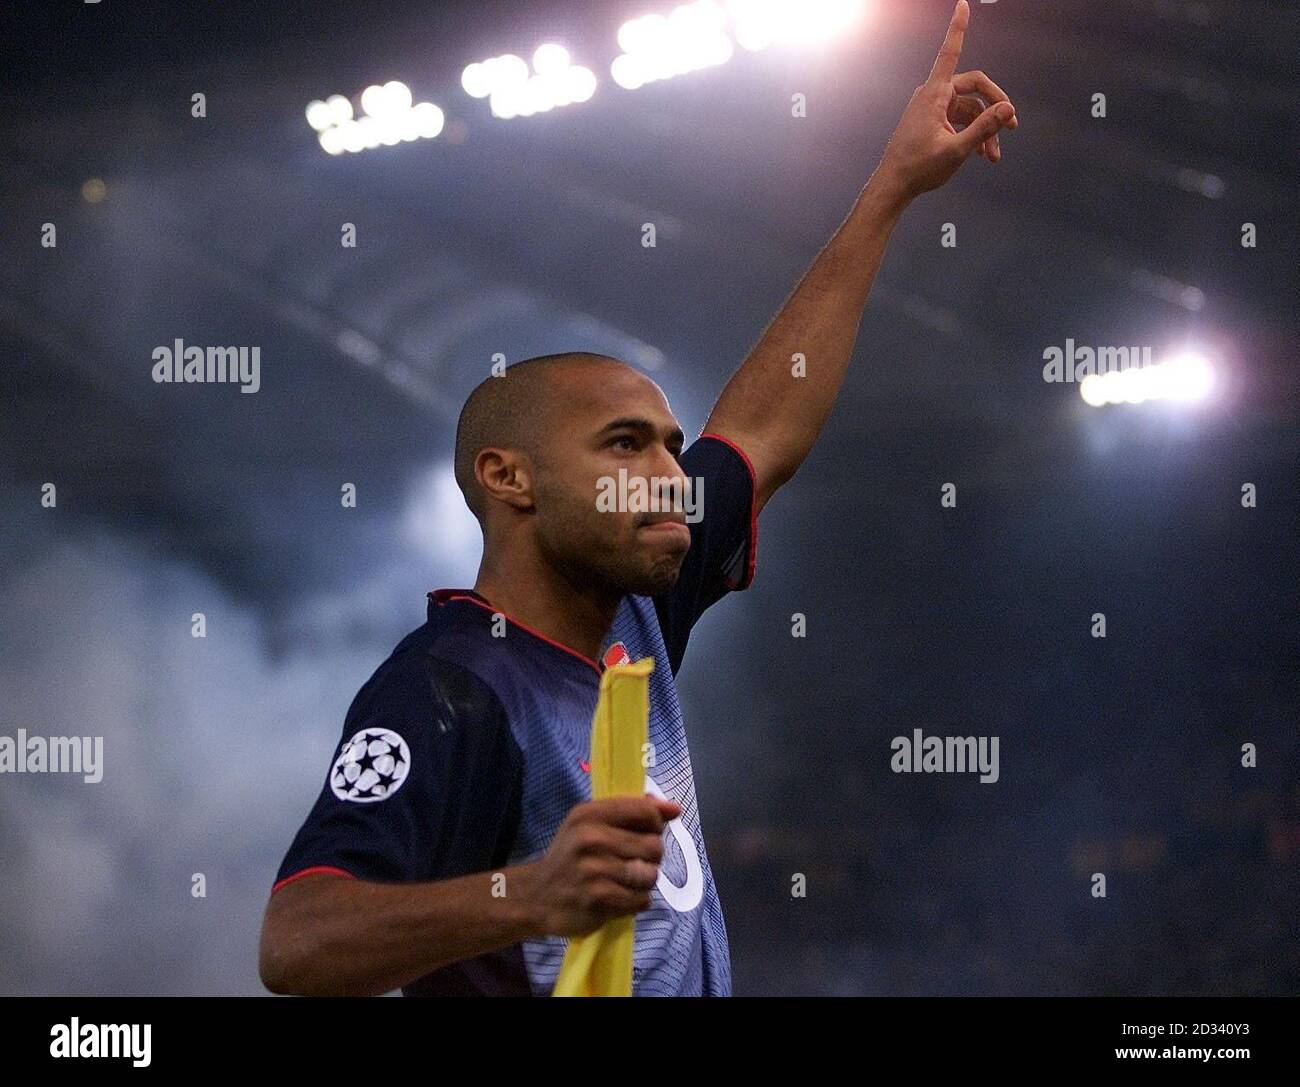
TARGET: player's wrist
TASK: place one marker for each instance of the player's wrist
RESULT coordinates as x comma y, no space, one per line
889,187
532,918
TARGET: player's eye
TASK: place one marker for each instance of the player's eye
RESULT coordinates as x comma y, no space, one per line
625,442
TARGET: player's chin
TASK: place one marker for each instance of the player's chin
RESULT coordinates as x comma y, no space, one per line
656,575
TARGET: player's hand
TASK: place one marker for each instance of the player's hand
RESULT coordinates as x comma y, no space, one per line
926,149
603,863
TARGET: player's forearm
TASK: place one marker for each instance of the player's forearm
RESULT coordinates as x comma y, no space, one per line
776,415
777,402
332,936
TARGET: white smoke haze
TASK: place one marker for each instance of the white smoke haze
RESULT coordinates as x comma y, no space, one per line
213,752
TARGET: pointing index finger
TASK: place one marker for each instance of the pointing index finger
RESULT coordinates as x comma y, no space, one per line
945,64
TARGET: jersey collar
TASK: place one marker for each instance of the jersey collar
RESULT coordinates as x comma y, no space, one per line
440,597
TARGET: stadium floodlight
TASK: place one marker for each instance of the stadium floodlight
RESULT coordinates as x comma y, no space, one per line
332,140
429,120
372,100
627,71
476,79
369,129
319,115
389,117
691,37
353,140
391,129
340,108
505,103
397,95
758,24
540,93
506,70
579,83
1191,377
647,34
513,91
1091,391
550,59
391,100
1186,378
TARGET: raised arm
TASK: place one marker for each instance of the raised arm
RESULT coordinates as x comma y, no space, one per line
774,406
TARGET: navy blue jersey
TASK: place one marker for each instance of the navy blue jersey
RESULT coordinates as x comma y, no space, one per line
467,748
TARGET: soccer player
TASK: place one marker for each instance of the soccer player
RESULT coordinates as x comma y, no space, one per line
454,845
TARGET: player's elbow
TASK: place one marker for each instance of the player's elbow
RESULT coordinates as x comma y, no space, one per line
305,949
287,956
280,969
292,967
274,974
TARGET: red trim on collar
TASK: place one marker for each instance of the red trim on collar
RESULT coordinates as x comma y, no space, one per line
443,596
753,511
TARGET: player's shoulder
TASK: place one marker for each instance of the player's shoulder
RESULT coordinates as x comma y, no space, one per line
718,453
431,675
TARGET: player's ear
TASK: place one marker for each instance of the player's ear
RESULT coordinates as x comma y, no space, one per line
505,475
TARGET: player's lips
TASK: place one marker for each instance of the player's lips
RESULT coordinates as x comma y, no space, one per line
667,529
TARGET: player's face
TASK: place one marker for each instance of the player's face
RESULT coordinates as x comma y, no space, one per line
609,493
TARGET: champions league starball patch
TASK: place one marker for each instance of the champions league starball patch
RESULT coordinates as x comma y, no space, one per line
371,766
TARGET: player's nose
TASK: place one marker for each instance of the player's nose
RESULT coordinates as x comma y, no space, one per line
672,480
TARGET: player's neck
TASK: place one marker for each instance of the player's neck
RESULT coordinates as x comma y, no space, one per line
576,616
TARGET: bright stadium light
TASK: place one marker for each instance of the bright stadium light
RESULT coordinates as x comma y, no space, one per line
332,141
505,102
693,36
391,100
1092,392
506,70
1187,377
381,102
644,35
550,59
761,23
579,83
391,129
540,94
374,101
369,129
513,91
628,71
1191,377
320,116
353,140
476,79
409,126
389,118
428,120
398,96
340,108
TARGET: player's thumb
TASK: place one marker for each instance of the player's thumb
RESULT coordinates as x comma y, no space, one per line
985,125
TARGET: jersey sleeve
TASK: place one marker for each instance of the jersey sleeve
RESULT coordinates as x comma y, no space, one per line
724,540
423,784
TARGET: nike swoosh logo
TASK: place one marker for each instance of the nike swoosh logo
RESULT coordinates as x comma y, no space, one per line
586,766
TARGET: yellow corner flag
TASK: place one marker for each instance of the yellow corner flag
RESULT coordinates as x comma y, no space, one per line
600,963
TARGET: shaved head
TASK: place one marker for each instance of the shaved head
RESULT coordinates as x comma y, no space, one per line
513,411
538,446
